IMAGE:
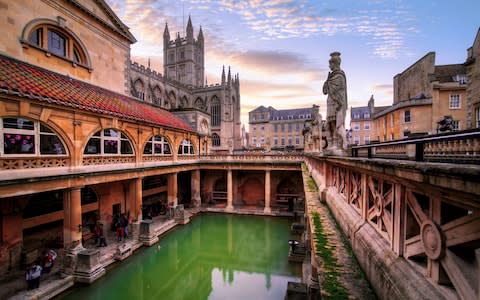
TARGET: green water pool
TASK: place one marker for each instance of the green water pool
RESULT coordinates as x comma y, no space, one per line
215,256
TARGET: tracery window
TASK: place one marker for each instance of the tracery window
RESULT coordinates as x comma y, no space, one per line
110,142
215,140
157,145
215,111
186,147
27,137
139,89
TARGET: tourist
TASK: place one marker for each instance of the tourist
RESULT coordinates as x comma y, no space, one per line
101,237
33,276
48,260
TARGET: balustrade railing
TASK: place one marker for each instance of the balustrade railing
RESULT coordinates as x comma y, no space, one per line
428,214
458,147
33,162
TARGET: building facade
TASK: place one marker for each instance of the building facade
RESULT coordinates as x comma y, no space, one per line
211,109
274,129
473,83
425,94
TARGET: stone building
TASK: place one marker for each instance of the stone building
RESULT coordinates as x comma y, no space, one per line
211,109
424,95
362,124
86,135
473,83
277,129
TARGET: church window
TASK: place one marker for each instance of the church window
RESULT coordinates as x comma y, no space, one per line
26,137
215,111
182,55
157,145
215,140
110,142
139,89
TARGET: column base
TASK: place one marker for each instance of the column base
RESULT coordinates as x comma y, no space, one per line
229,208
88,267
267,210
147,234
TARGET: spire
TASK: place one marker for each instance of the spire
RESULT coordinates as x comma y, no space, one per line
200,35
223,75
189,30
229,77
166,33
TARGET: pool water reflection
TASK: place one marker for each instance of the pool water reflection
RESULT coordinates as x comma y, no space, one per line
215,256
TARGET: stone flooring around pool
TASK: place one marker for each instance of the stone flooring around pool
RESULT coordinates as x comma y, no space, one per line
56,282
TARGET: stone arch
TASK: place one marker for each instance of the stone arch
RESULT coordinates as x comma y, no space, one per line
252,191
56,24
184,103
171,100
98,138
156,95
200,104
139,89
215,111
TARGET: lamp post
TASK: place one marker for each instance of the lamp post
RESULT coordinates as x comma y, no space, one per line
293,244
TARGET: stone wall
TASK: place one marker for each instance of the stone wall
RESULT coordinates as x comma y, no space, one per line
414,80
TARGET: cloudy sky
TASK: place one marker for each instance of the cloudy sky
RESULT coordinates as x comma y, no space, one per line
281,48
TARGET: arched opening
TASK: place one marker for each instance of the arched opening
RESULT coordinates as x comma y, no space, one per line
215,111
200,104
186,148
108,142
139,89
157,145
252,191
157,95
215,140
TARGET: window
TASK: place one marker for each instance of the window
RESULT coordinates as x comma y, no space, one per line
275,127
289,140
26,137
454,101
297,140
366,126
297,127
254,128
283,127
455,125
186,148
110,142
157,145
356,126
356,116
356,139
283,141
254,141
262,128
262,141
406,116
289,127
367,139
56,40
56,43
215,140
182,55
215,111
275,141
366,115
139,89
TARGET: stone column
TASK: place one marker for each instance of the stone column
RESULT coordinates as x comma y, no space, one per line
196,199
172,189
72,218
267,208
229,190
138,198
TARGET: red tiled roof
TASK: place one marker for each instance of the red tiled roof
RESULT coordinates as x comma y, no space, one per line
29,81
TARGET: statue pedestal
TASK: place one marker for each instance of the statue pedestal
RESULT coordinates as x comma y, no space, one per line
88,267
335,152
147,234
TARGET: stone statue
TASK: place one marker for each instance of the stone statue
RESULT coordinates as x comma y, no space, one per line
336,88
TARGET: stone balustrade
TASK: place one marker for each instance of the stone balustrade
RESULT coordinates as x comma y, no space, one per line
409,223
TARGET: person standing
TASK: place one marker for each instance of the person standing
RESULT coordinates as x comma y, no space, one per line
336,88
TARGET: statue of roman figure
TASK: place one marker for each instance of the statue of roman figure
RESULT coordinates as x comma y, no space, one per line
336,88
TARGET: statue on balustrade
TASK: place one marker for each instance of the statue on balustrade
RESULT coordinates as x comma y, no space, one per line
336,88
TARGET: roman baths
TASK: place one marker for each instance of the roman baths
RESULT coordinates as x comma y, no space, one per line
121,182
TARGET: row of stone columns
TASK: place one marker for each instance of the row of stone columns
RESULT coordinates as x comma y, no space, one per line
72,225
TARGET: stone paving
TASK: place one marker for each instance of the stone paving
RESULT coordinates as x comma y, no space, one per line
350,276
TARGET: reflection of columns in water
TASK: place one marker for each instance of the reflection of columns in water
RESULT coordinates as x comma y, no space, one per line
267,250
229,234
172,189
229,190
173,254
267,208
72,217
195,185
